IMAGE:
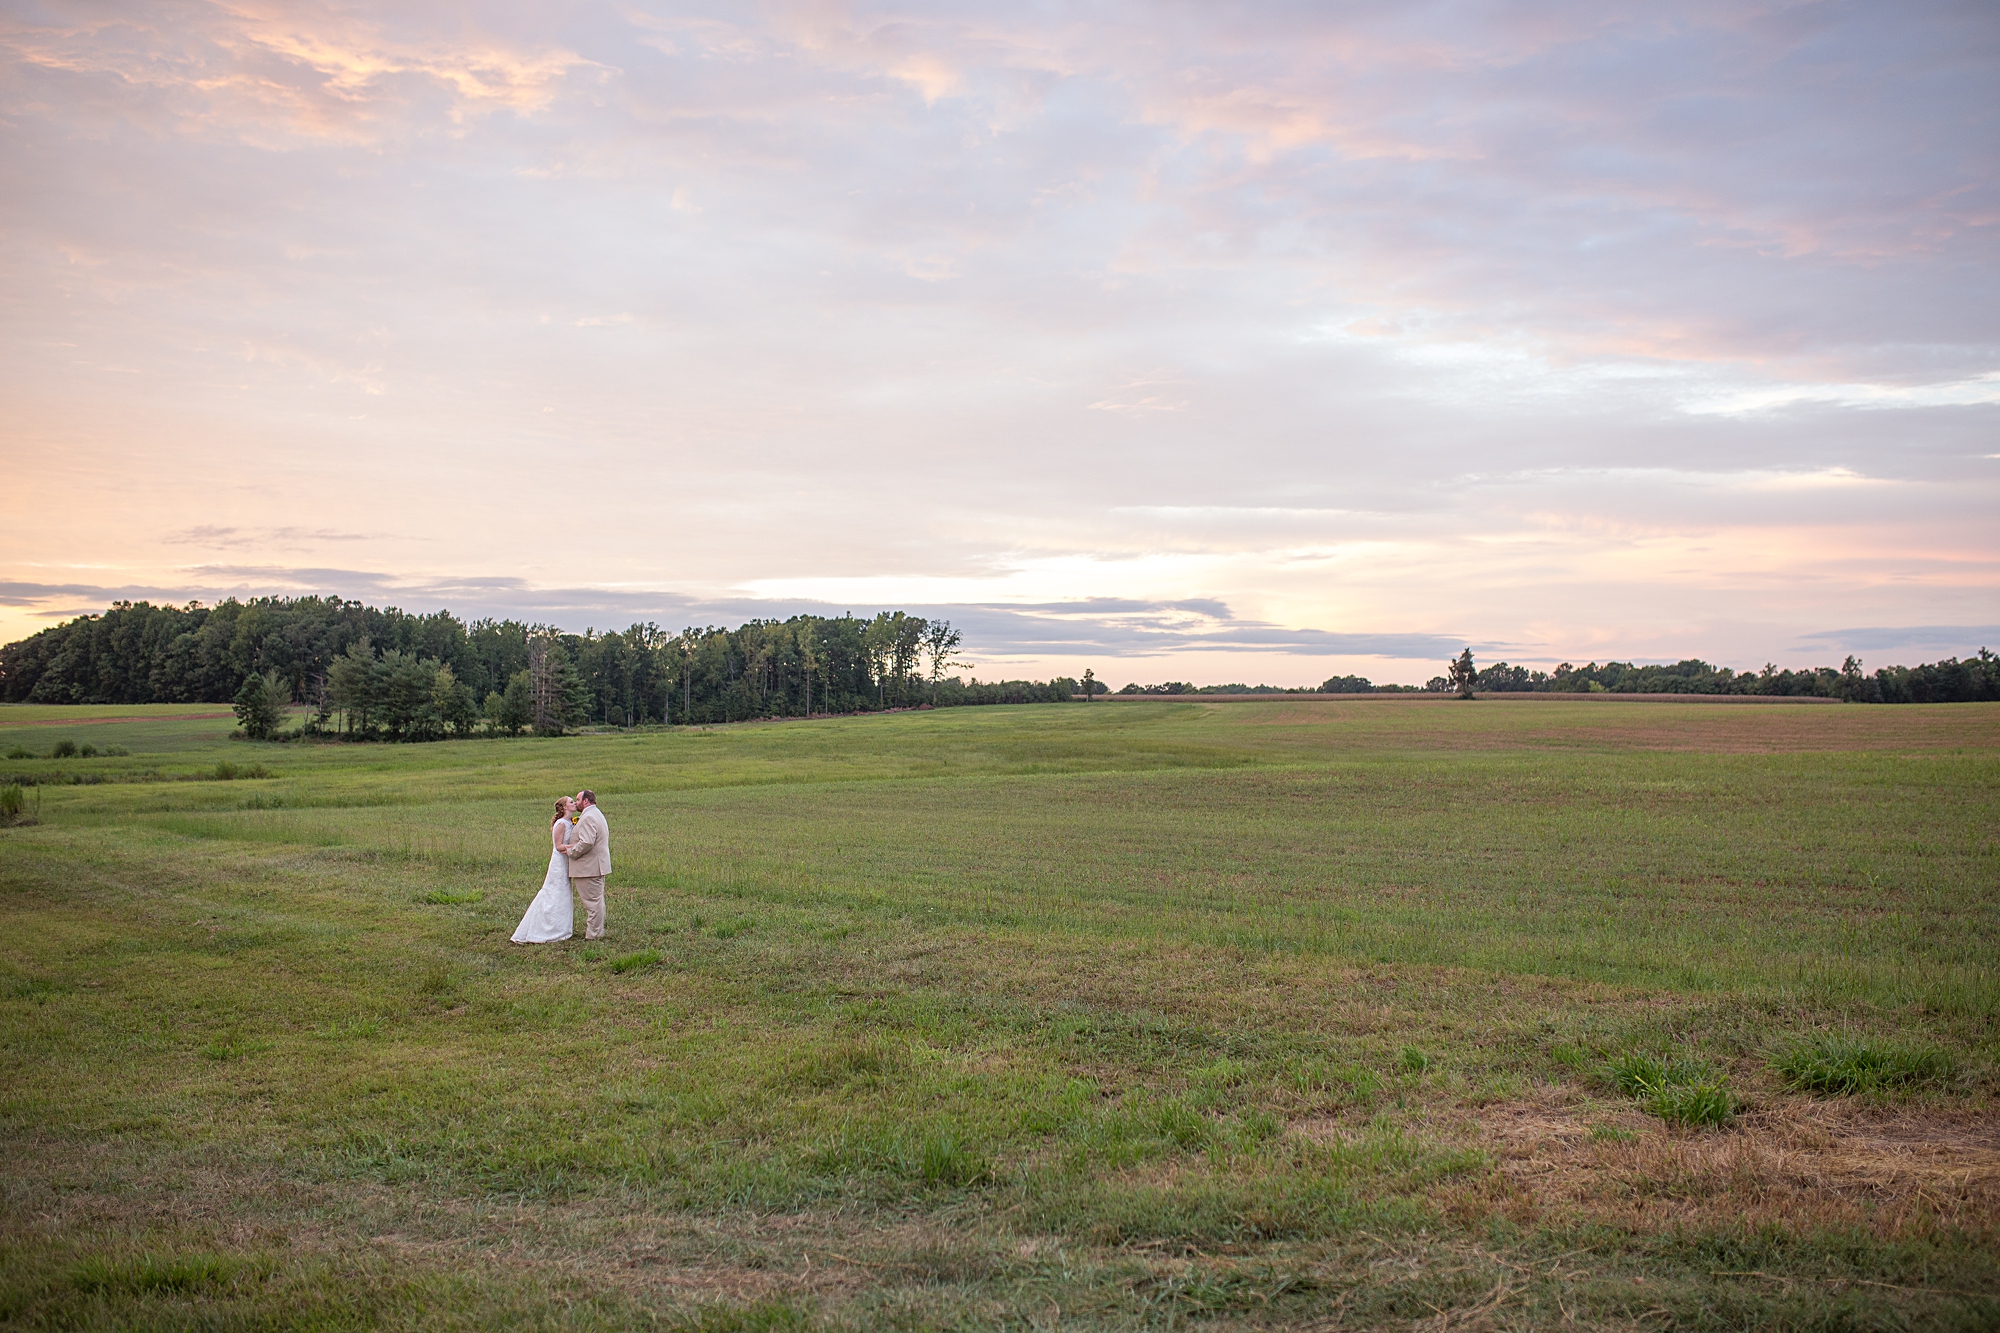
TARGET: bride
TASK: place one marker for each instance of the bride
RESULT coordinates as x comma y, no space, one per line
552,916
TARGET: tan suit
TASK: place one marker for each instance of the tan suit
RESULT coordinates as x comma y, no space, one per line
589,862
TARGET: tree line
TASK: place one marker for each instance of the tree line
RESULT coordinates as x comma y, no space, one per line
389,674
1971,680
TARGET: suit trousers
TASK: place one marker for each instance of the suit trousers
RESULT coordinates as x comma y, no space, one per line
590,888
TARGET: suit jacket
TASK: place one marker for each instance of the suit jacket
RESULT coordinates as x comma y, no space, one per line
590,846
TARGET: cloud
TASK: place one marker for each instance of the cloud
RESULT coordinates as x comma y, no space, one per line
280,75
1591,325
1140,630
1979,391
209,535
1938,639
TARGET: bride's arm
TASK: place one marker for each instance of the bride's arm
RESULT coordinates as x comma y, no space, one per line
556,834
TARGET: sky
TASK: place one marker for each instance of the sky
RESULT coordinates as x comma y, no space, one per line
1179,341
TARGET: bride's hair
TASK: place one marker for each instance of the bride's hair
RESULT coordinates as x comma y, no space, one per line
560,812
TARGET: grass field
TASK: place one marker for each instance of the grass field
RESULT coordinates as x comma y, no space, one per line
1366,1013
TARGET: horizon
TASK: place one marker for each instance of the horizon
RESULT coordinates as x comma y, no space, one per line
1177,343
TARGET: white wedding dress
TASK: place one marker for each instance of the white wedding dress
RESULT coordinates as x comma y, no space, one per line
552,916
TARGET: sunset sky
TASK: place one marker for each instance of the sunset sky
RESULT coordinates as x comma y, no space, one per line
1210,342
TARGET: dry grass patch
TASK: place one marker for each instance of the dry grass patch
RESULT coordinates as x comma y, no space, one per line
1791,1161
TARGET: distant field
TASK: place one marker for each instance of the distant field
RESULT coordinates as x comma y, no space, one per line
1297,1013
155,728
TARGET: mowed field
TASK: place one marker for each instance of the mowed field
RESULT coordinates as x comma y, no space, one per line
1090,1016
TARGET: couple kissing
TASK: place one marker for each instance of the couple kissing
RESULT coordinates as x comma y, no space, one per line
581,859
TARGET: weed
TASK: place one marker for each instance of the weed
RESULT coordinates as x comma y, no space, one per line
1611,1134
10,801
591,953
437,980
445,896
233,1048
1414,1061
633,961
1839,1066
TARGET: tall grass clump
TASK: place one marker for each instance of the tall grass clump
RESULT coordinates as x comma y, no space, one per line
1680,1090
1841,1066
10,801
633,961
946,1159
65,749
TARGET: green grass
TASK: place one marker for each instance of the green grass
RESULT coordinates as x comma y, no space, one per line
1839,1066
439,897
1707,1104
1154,1013
1685,1091
632,961
1636,1074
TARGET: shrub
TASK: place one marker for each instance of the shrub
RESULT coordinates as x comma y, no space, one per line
228,772
1838,1066
19,752
10,801
64,750
87,752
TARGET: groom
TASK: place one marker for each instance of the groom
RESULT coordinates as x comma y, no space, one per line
590,861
